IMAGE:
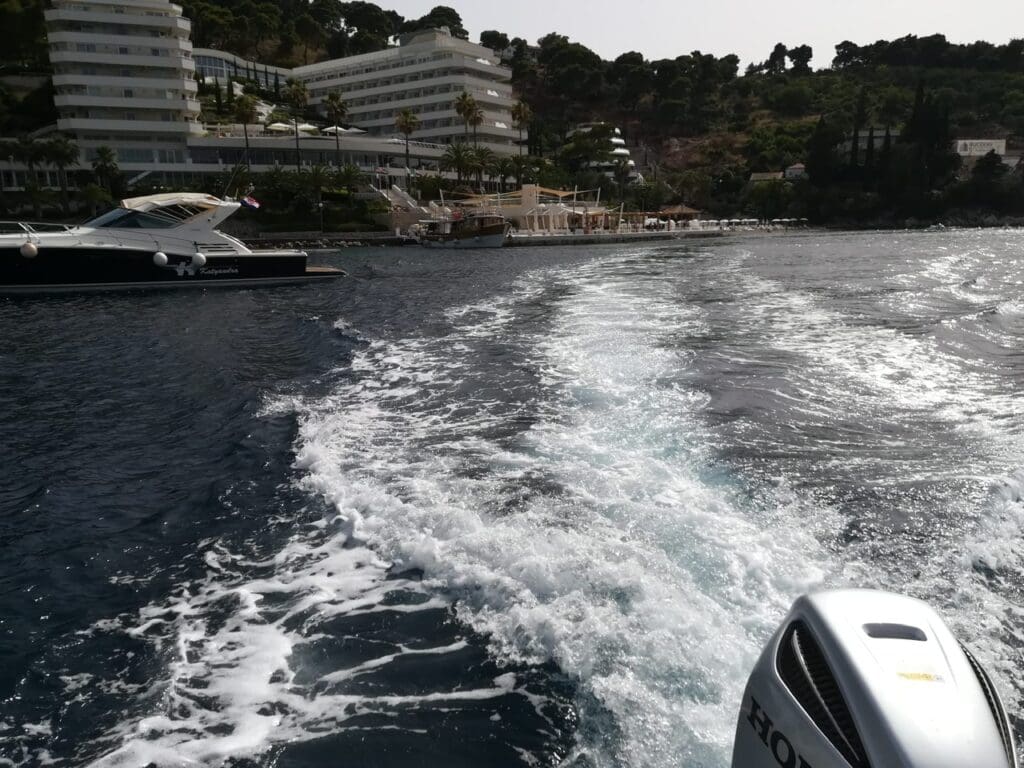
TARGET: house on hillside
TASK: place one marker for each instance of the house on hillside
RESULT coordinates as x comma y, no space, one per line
795,172
764,178
972,150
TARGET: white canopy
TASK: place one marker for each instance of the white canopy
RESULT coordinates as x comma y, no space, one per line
306,127
334,129
149,202
280,127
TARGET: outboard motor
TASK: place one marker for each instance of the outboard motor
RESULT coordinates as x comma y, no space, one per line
867,679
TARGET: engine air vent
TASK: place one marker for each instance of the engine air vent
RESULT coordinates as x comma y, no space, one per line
804,670
995,706
895,632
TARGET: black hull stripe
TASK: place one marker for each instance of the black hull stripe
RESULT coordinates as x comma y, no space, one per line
256,282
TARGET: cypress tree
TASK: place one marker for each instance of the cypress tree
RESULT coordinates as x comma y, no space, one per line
229,93
277,86
217,100
858,122
912,130
869,153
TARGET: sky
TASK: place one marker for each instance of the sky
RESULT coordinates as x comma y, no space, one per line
749,28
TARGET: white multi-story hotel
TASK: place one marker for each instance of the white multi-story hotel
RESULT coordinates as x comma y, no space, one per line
124,77
424,74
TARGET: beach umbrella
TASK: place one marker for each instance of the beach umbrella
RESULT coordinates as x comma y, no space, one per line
306,127
280,128
334,129
354,130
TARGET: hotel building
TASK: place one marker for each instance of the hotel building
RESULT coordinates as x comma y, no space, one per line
124,78
424,74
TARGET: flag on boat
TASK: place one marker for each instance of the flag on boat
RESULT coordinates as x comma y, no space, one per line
250,202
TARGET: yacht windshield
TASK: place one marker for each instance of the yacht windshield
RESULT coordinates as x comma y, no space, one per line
120,218
157,218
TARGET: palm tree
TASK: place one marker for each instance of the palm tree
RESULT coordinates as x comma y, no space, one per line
457,157
30,152
93,195
245,113
349,177
62,153
465,107
336,112
104,165
504,168
521,117
314,179
520,167
407,123
482,161
297,95
475,119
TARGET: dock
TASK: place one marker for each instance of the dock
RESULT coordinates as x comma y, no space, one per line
519,240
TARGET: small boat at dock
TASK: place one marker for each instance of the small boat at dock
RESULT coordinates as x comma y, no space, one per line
478,230
156,241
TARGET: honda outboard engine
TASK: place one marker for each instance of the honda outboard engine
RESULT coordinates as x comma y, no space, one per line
859,679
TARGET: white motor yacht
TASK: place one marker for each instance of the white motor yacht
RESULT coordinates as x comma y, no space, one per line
156,241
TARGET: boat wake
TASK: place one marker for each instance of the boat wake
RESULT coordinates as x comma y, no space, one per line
542,470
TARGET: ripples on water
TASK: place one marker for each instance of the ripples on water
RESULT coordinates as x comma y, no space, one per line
504,508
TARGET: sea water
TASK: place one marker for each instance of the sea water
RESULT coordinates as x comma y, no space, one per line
528,507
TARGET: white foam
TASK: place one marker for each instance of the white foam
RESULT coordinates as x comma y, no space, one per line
601,536
651,586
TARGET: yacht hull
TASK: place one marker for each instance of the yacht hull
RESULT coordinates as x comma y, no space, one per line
75,269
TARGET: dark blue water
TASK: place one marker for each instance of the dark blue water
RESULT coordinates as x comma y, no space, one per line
524,507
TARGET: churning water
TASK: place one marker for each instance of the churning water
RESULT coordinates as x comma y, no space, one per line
499,507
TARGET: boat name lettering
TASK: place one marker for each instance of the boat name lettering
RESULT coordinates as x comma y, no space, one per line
781,748
221,271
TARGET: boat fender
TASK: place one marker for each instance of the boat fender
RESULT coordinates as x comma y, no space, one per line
29,250
198,260
160,259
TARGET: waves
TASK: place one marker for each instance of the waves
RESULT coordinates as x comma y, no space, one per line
555,525
563,500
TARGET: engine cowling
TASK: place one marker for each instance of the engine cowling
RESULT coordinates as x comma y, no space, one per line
869,679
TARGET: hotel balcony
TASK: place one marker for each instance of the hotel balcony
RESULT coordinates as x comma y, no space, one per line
107,125
127,102
368,83
172,62
106,81
173,23
108,39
